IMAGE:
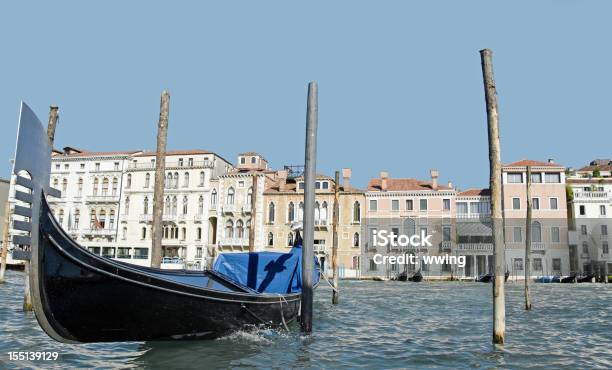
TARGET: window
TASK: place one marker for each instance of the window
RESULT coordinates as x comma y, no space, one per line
317,185
518,264
602,210
124,233
423,204
147,180
95,186
423,230
213,197
249,198
183,233
462,208
180,162
554,203
127,206
290,239
604,230
253,160
176,180
556,262
409,205
373,265
229,229
77,218
373,205
585,248
535,203
271,213
123,252
516,203
446,234
604,248
325,185
301,185
97,166
105,187
174,205
239,229
301,211
536,177
185,202
57,167
583,230
116,166
141,253
517,234
190,162
582,210
395,205
82,166
242,160
111,219
202,178
60,217
515,177
230,196
555,235
536,232
115,184
186,180
446,204
356,240
291,212
108,252
356,212
200,205
80,187
552,177
199,234
270,239
64,187
128,182
143,233
537,264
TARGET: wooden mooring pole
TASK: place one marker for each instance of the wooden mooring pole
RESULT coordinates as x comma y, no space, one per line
336,220
158,192
499,308
528,241
309,202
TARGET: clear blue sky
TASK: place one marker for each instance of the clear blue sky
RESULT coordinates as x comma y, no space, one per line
400,85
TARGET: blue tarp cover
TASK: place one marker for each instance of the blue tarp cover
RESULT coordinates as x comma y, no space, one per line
266,272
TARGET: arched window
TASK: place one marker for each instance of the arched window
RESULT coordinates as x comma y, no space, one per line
60,217
356,212
213,197
111,219
77,218
124,233
102,219
105,187
147,180
317,212
128,181
270,239
585,248
605,248
201,205
249,196
271,213
174,205
199,233
169,180
202,178
186,180
301,211
185,205
143,233
95,186
324,214
230,196
247,230
536,232
229,229
64,187
80,187
356,240
176,180
127,205
146,205
291,212
183,233
115,184
92,220
290,239
55,183
168,207
239,229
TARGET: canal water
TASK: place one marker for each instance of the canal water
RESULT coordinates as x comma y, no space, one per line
444,325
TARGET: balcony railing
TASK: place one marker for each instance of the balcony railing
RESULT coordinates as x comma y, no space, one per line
475,247
199,217
103,198
477,216
537,246
99,232
234,242
591,195
146,217
319,248
228,208
246,209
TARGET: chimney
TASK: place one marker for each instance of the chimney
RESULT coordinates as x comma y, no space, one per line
450,184
434,179
281,176
384,176
551,160
346,178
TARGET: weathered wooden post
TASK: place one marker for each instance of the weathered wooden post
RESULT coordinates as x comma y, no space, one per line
309,201
499,308
336,221
158,192
253,211
528,241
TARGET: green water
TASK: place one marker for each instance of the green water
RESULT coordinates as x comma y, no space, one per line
376,325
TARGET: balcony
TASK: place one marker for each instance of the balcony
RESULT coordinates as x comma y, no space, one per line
198,218
228,208
319,248
234,242
102,199
99,232
146,217
537,246
246,209
475,216
591,195
173,164
321,224
475,247
446,246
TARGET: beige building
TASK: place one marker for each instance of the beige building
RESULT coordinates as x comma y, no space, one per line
283,200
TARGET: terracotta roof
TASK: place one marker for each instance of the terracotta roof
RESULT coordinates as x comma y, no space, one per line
96,154
404,184
475,192
529,162
590,168
175,152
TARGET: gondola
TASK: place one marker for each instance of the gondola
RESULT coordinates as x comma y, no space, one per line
585,279
569,279
487,278
80,297
417,277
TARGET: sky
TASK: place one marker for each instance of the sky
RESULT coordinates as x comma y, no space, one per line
400,82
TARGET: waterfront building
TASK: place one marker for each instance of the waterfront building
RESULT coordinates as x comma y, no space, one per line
409,206
4,195
474,237
590,201
284,206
